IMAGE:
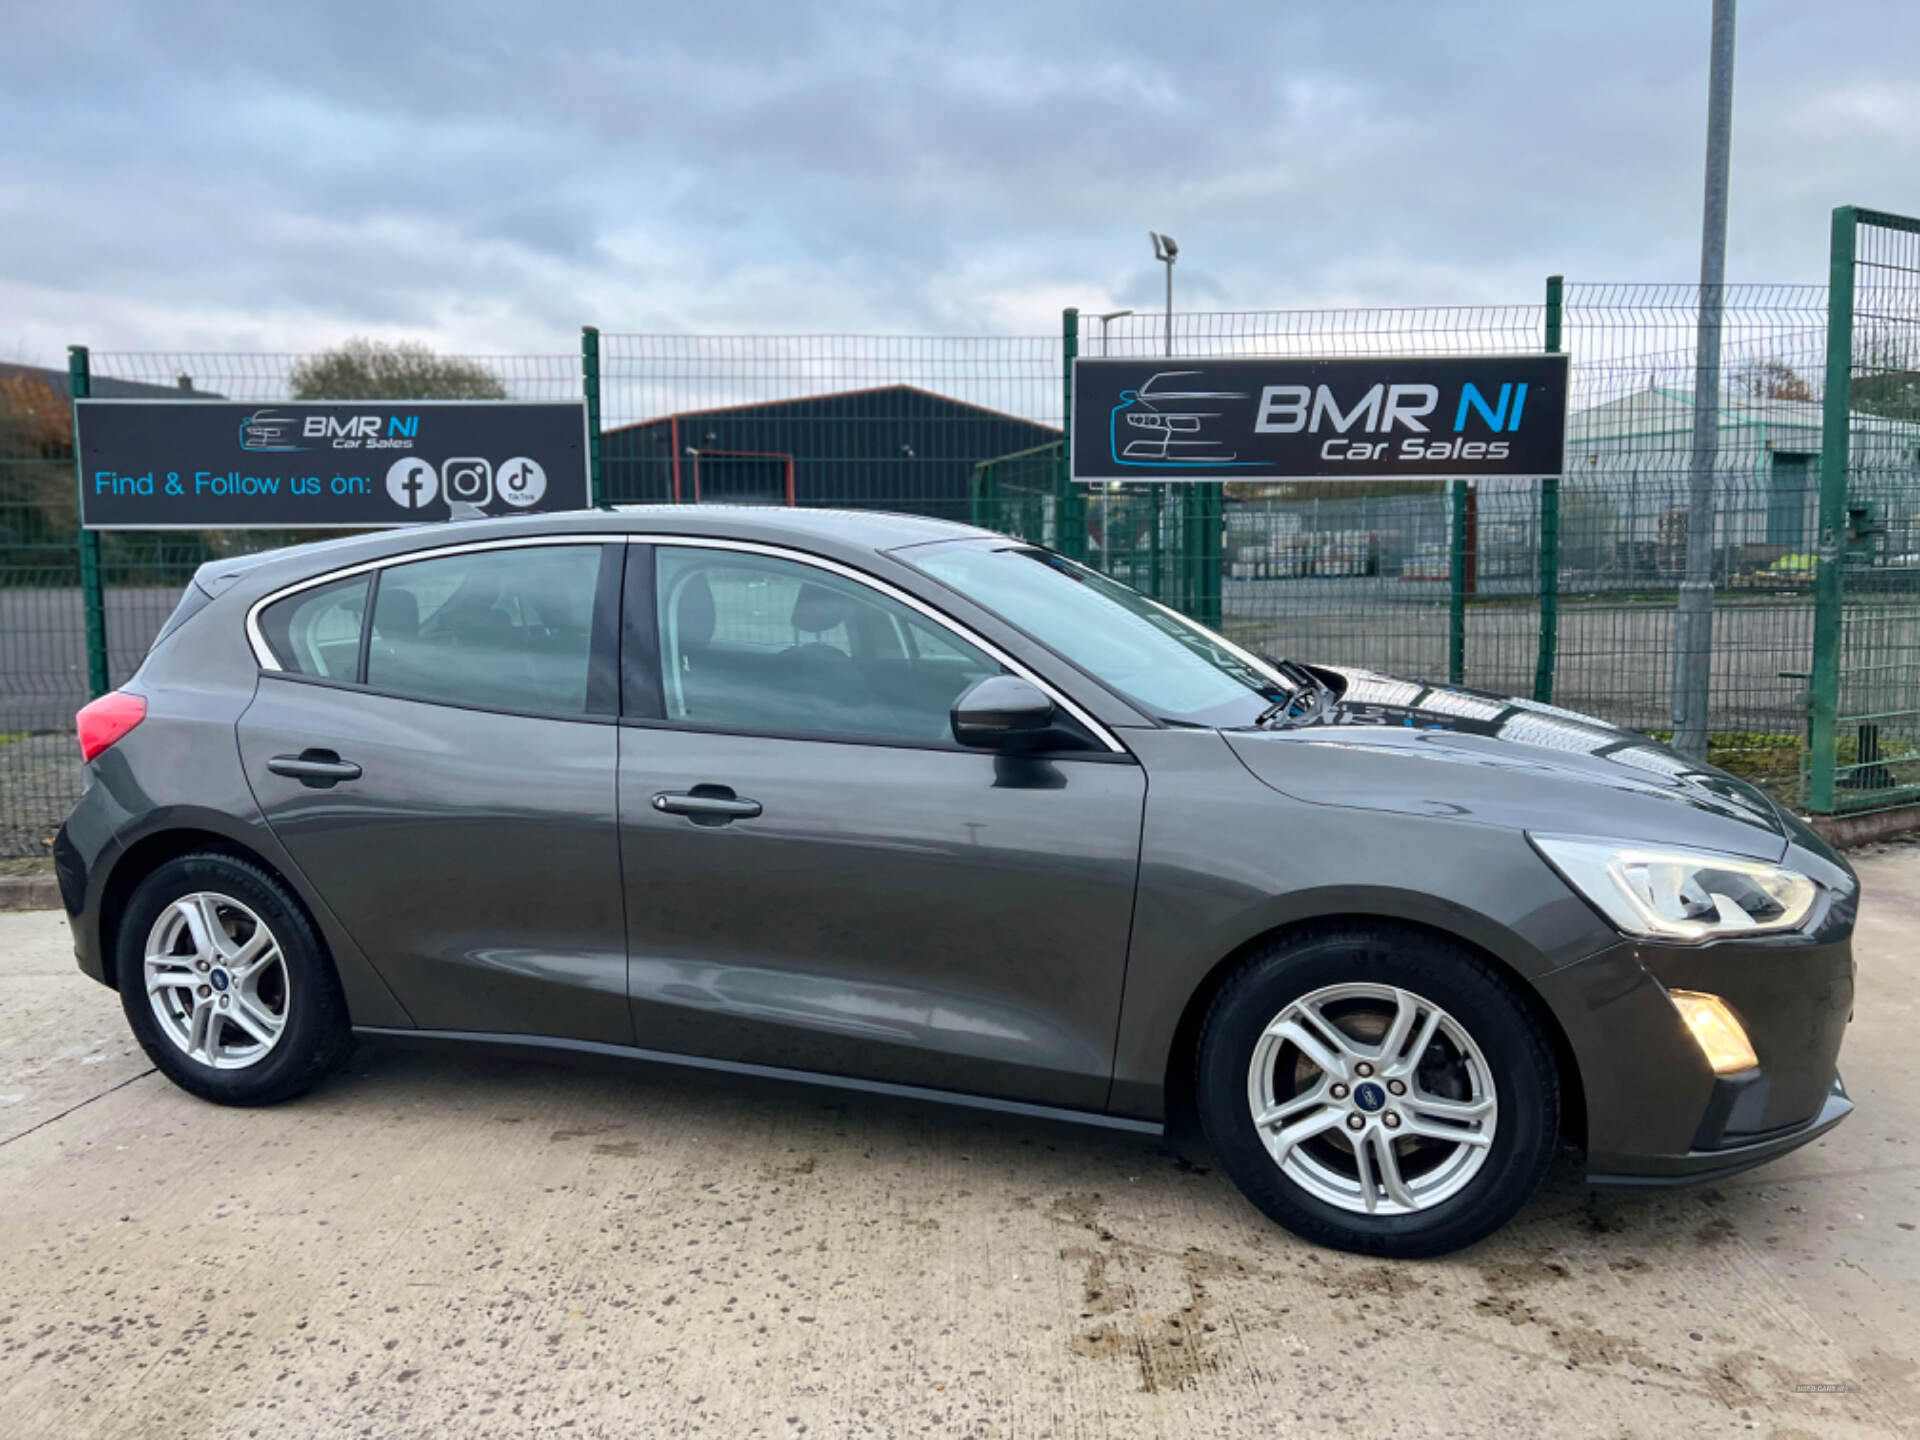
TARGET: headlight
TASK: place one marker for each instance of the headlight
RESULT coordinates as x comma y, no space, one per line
1662,894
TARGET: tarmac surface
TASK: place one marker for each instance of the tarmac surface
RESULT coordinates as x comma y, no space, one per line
453,1245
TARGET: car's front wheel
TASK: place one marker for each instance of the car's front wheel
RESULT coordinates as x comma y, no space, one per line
1378,1089
226,985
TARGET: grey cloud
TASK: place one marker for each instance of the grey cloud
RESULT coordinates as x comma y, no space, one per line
492,175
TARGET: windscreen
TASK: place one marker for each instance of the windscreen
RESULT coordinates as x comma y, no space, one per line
1166,664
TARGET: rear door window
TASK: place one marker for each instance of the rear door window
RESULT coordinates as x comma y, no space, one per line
491,629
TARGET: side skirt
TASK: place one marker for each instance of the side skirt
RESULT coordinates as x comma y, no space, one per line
763,1072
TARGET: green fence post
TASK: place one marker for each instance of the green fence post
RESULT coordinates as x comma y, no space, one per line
1180,500
590,384
1212,568
92,589
1156,507
1193,543
1836,420
1214,553
1069,523
1457,589
1549,534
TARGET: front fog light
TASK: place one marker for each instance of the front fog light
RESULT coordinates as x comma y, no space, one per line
1716,1030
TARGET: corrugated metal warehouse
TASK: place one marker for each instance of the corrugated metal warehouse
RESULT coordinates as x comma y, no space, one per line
896,447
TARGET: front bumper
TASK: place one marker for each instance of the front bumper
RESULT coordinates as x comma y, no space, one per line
1655,1111
1697,1167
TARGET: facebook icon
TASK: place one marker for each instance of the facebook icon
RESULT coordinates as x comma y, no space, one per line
413,484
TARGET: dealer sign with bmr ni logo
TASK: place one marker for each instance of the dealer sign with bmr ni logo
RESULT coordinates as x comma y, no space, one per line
321,465
1393,418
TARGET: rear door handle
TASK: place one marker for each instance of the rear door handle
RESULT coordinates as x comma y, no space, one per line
706,805
316,769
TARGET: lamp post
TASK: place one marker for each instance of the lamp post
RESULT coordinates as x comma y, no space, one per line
1166,251
1693,618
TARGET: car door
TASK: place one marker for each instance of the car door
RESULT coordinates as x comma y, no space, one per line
434,741
819,877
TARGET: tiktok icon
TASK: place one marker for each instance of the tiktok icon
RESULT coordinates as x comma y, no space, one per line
520,482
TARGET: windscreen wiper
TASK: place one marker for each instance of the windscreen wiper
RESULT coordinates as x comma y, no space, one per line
1310,699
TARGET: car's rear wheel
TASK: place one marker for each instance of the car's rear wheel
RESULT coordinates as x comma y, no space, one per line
226,985
1378,1089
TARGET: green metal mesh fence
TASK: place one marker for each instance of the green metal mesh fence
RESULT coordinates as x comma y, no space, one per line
1866,751
43,657
1623,522
1432,580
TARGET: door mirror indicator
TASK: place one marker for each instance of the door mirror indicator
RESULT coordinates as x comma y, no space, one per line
1005,712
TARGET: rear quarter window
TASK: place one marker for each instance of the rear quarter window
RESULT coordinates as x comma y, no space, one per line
317,632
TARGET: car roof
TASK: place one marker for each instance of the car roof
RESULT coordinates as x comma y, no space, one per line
845,532
877,529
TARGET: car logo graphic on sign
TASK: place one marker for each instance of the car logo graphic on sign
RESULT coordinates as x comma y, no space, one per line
264,430
1167,426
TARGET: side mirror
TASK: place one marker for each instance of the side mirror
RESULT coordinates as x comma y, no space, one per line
1004,712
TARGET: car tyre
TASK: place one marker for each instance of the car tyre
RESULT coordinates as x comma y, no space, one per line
225,1013
1482,1071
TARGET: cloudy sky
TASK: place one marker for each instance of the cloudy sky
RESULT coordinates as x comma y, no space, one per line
488,177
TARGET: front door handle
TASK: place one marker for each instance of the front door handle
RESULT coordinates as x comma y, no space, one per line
706,805
316,769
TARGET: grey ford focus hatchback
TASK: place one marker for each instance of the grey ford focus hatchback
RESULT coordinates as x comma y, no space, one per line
895,804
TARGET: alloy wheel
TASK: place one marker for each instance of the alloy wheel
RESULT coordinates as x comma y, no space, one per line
217,980
1372,1098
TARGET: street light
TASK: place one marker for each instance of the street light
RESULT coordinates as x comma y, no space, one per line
1693,616
1166,251
1106,320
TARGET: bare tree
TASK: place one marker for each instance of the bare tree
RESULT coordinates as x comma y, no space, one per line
374,370
1772,380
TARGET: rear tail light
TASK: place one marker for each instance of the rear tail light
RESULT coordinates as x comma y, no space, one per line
107,720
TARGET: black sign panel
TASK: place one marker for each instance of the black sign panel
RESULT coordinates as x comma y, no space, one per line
1401,418
310,465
